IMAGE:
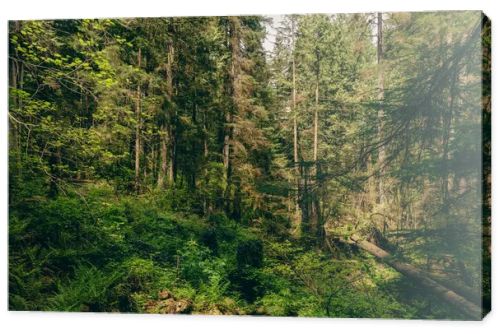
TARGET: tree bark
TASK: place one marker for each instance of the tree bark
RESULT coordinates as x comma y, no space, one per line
298,213
138,129
13,127
163,156
167,150
205,136
316,206
316,106
381,151
234,45
170,93
447,122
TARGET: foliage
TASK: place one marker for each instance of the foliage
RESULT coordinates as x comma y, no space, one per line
179,165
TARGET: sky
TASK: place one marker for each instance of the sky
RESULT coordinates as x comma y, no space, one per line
271,32
276,21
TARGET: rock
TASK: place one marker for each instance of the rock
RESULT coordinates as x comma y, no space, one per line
183,306
164,294
168,304
214,311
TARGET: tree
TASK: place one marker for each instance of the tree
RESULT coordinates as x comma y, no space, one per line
381,151
181,165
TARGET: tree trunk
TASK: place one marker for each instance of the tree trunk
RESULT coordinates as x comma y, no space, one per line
447,121
14,142
316,206
381,151
167,150
234,45
295,136
172,157
205,136
316,106
170,93
138,129
163,156
451,297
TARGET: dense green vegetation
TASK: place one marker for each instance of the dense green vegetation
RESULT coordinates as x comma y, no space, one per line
176,165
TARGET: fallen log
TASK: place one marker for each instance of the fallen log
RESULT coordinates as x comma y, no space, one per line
450,296
472,295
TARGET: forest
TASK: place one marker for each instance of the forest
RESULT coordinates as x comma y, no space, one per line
296,165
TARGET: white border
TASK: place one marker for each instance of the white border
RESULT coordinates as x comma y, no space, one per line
20,322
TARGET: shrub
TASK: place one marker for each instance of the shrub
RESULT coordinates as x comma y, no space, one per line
89,290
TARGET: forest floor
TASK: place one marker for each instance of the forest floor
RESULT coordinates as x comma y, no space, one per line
136,254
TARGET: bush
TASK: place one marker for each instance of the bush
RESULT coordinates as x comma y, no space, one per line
250,254
89,290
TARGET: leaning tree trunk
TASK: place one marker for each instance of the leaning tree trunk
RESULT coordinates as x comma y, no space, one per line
451,297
